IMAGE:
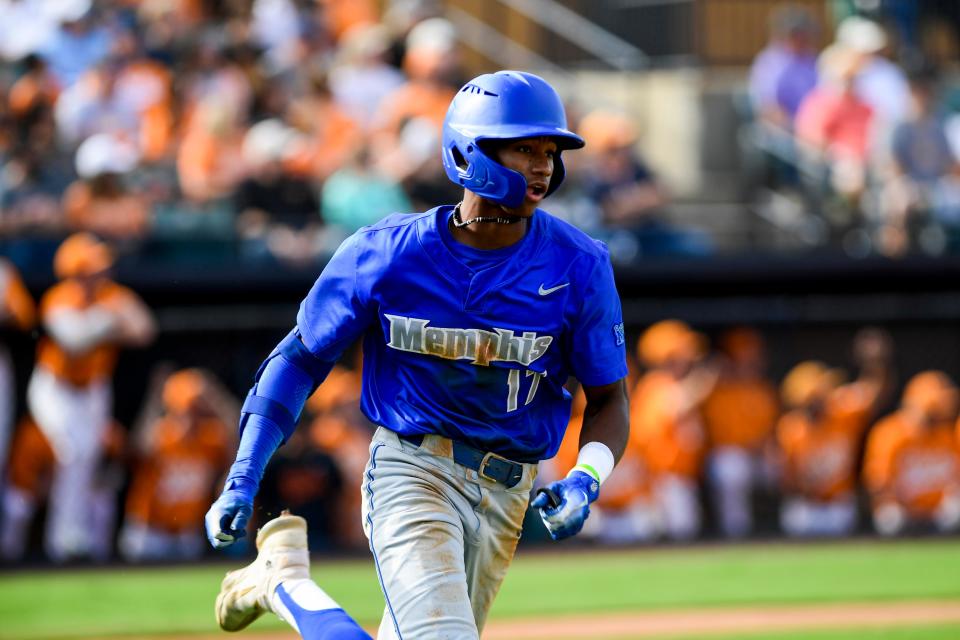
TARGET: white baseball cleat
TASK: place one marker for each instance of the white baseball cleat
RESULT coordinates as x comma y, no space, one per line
282,554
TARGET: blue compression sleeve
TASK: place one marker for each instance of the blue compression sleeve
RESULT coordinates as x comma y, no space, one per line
260,439
281,390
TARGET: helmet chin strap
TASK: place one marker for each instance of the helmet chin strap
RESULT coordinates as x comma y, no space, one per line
459,223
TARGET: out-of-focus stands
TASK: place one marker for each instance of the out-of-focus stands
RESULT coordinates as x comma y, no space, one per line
850,132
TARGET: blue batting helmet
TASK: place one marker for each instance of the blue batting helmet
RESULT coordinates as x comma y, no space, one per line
502,106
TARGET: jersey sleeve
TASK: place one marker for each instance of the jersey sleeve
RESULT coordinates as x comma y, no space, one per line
598,351
337,310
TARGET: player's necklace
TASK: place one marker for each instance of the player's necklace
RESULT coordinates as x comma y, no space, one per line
460,224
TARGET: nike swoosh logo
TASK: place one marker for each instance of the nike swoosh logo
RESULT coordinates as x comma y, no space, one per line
546,292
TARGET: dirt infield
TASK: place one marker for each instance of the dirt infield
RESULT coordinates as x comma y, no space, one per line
706,622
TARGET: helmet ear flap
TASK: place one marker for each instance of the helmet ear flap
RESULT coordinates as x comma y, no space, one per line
558,174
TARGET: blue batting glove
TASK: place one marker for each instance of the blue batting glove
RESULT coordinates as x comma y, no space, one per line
226,521
564,505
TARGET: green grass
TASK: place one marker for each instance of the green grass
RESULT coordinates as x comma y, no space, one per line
932,632
102,603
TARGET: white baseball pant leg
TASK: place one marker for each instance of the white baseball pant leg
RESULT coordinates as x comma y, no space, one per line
731,474
74,420
442,537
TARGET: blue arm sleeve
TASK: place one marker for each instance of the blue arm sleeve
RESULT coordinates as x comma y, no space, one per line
272,408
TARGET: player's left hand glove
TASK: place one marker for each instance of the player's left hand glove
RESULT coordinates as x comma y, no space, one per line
226,521
564,505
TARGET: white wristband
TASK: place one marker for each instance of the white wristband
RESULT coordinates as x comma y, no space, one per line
596,460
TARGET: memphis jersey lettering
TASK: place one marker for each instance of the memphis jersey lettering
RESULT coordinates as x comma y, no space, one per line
476,345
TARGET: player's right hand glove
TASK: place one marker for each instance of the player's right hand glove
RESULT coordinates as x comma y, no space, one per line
564,505
226,521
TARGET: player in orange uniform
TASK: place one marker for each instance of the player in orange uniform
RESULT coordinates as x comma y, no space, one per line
819,440
86,317
739,415
17,312
912,463
666,425
183,454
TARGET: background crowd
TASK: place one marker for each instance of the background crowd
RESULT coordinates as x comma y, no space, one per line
860,134
714,439
273,128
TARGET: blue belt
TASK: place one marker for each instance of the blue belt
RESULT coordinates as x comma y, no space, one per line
488,464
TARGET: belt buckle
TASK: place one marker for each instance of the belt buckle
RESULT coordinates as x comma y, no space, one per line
486,460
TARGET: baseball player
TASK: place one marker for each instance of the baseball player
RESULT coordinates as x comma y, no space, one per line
912,463
739,416
472,318
87,319
184,452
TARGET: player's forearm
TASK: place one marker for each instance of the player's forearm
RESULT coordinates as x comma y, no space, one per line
259,441
606,418
271,410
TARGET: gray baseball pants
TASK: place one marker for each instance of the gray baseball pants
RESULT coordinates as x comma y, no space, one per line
442,537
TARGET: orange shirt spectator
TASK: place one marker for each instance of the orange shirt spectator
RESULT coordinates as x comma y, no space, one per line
740,413
183,453
669,431
912,462
208,160
819,439
100,202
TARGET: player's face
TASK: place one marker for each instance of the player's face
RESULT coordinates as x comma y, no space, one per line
533,159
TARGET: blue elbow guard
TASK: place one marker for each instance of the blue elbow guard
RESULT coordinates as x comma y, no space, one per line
284,382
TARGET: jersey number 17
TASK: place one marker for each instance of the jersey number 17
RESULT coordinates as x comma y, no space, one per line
513,387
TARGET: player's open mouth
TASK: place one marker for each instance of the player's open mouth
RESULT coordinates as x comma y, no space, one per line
536,191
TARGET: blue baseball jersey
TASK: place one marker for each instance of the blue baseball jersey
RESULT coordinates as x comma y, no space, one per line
478,355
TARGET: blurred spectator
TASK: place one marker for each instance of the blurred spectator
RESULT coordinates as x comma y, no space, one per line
100,201
920,161
330,132
818,443
275,27
143,86
359,194
87,318
416,166
834,125
912,462
786,70
79,43
209,165
879,82
214,71
34,94
92,105
739,415
820,437
630,198
181,455
432,65
17,314
361,78
665,420
344,16
276,207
